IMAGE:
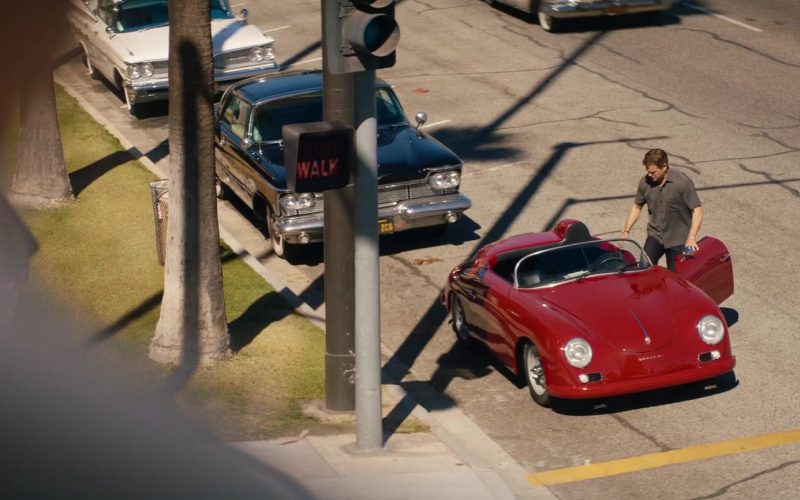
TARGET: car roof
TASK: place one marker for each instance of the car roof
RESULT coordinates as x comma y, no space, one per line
283,84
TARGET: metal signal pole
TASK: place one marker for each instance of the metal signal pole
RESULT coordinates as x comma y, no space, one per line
338,243
369,424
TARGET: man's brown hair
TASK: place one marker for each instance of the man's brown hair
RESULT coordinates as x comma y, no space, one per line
655,157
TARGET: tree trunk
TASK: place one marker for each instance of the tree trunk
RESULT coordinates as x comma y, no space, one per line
192,328
41,178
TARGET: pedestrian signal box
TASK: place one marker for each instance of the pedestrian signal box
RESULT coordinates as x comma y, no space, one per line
318,156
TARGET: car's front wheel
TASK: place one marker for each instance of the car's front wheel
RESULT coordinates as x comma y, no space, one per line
534,375
279,245
459,320
133,108
88,62
220,189
546,21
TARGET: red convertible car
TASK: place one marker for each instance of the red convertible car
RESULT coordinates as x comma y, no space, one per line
583,317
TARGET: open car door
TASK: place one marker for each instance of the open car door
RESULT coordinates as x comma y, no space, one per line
710,269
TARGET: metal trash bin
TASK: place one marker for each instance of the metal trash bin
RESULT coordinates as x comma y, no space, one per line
159,195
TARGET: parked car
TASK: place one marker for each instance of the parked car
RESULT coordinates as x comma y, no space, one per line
127,42
553,13
580,317
418,177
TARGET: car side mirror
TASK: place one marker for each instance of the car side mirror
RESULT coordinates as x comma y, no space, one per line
243,14
421,118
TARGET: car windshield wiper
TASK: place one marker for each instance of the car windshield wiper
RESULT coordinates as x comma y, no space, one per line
577,274
628,267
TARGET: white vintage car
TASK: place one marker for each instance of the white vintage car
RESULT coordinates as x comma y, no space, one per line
127,42
551,14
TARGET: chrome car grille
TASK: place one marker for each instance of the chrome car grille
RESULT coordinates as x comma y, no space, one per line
160,68
236,59
389,195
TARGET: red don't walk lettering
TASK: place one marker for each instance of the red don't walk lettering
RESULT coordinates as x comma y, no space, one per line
314,169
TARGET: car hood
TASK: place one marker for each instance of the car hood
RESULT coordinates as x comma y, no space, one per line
633,312
403,155
153,44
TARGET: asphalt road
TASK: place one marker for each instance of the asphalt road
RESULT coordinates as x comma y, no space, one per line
553,126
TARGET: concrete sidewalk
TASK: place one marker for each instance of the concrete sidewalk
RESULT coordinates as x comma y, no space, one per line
455,460
415,465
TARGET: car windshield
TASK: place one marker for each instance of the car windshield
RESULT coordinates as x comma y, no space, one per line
569,262
134,15
273,115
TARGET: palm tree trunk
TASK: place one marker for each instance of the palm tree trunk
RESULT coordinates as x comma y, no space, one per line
41,178
192,328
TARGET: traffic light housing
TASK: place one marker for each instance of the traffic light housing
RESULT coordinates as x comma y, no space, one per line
318,156
359,35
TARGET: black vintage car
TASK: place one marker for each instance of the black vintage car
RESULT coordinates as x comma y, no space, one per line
418,177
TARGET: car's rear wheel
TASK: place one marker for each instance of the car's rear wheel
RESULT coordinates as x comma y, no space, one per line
534,375
459,320
279,245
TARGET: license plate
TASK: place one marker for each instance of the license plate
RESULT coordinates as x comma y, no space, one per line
385,226
616,9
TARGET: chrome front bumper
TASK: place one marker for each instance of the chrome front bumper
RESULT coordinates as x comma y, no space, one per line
409,214
158,90
567,9
147,91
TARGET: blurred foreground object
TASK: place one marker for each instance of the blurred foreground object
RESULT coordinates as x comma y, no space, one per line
72,427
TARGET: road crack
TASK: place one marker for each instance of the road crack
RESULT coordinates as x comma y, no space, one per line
661,446
725,489
744,47
771,179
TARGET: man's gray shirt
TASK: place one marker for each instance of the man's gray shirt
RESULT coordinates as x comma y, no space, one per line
670,207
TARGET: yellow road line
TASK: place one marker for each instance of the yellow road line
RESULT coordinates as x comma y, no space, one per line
653,460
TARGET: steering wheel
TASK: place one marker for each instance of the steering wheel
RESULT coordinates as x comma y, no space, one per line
605,260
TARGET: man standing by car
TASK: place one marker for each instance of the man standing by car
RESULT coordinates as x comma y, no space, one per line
674,208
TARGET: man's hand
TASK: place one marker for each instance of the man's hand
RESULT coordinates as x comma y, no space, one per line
691,243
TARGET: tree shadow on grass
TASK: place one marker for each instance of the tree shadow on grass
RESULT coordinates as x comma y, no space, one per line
81,179
267,309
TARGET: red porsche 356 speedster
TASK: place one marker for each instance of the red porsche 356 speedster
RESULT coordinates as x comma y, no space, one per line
583,317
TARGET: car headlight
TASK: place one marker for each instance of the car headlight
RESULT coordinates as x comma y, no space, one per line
710,329
146,69
300,201
136,71
578,352
445,180
260,54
